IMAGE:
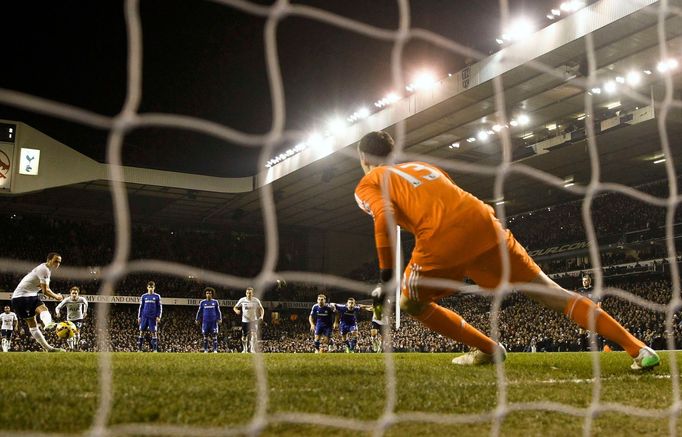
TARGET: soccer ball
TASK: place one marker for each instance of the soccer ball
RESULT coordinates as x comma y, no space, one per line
66,330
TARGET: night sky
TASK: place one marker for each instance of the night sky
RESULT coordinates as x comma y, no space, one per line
207,60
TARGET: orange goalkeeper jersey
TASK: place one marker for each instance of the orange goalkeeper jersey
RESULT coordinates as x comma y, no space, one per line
451,226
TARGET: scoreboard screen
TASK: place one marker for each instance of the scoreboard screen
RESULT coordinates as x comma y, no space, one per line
8,132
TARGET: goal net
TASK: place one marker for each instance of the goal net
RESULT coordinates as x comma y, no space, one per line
524,108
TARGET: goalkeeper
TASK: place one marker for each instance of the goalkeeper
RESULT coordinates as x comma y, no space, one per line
458,235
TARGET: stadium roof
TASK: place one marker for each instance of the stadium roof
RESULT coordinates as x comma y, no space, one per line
543,77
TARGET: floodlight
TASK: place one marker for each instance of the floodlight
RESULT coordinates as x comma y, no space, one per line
423,80
572,6
336,125
667,65
362,112
315,140
519,30
633,78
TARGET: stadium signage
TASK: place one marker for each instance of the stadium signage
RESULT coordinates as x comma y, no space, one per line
466,77
135,300
29,161
559,249
6,152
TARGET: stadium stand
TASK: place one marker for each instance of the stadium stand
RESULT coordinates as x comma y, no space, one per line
524,326
632,249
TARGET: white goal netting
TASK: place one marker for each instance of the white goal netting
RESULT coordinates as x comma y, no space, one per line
130,119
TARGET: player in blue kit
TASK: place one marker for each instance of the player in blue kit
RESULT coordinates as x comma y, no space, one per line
210,317
321,323
148,316
347,319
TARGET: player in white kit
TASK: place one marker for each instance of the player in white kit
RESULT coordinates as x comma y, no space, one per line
252,312
376,330
76,311
28,305
10,325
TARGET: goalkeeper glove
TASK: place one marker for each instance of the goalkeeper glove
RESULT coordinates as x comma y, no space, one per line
380,294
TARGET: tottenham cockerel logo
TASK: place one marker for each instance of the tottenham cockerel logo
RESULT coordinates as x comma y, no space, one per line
4,165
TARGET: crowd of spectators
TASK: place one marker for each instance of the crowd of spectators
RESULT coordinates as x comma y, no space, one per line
29,238
614,216
523,326
618,220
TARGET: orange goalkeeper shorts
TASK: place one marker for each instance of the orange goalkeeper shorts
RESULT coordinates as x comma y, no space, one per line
485,270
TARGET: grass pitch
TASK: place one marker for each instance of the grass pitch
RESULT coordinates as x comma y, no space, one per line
59,392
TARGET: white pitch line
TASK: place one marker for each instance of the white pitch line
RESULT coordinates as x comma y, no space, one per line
586,380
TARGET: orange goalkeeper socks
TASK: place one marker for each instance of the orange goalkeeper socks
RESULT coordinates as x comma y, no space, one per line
452,325
579,308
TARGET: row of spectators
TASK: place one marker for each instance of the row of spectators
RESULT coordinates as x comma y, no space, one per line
523,325
30,238
613,214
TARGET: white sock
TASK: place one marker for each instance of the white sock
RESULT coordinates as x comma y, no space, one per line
5,346
46,317
35,332
245,344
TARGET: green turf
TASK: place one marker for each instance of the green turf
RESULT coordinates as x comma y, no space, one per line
59,392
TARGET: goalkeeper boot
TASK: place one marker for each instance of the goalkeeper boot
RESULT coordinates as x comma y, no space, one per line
50,325
646,360
478,358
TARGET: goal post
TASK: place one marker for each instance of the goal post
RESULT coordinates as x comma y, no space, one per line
398,269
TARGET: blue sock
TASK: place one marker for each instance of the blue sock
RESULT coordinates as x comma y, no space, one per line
353,343
155,344
317,344
205,344
140,339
